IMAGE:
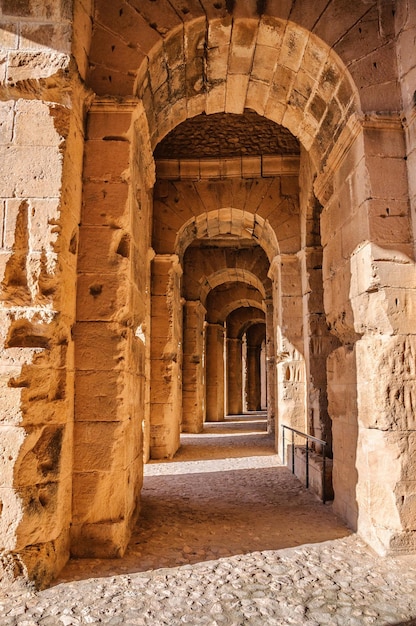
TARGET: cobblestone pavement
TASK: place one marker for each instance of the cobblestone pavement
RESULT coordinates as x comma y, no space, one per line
230,539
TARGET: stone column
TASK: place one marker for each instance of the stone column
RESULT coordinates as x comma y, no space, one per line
263,381
290,366
214,369
166,357
319,343
234,361
253,383
369,296
109,342
270,368
193,392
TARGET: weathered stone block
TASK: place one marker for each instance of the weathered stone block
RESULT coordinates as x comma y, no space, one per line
98,445
45,36
113,245
104,203
237,85
30,171
10,397
105,124
99,395
9,35
101,540
270,32
388,177
217,64
387,395
30,65
99,496
47,508
100,346
219,31
106,160
43,457
293,46
12,439
100,297
6,122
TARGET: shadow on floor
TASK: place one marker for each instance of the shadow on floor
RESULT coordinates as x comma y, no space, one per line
223,495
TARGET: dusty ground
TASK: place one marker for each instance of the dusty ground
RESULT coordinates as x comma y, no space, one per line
224,494
228,537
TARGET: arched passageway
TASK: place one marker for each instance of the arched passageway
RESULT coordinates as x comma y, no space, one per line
298,199
187,166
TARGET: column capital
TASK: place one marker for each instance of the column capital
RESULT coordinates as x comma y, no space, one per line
196,305
171,260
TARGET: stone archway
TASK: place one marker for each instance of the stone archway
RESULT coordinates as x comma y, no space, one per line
318,103
150,67
333,139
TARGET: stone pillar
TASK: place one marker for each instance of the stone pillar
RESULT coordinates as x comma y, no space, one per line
109,343
253,383
193,392
214,369
234,361
270,368
290,367
319,343
369,280
166,357
263,381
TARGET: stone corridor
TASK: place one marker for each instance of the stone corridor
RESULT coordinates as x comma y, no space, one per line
227,536
206,206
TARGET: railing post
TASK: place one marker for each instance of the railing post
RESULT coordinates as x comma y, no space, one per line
283,443
311,438
293,452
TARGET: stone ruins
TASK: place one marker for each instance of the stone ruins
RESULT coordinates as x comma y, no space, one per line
207,207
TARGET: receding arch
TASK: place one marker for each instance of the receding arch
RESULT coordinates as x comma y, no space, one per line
242,318
228,275
228,308
313,100
228,222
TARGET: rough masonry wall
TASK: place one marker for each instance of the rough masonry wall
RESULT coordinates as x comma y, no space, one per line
369,280
41,161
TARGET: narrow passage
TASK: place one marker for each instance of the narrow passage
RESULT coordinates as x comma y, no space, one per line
224,494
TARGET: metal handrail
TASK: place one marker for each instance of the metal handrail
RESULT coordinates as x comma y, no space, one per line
308,438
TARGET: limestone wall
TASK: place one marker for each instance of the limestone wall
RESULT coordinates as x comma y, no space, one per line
41,144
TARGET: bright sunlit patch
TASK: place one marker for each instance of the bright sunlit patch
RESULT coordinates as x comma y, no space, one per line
210,465
140,334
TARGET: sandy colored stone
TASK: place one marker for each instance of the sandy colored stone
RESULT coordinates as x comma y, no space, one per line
138,185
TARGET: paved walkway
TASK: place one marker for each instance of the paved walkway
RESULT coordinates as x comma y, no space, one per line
228,537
